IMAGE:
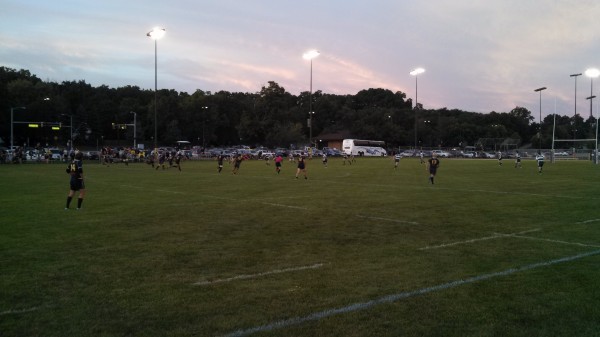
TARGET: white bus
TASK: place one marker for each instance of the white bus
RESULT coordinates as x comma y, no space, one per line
367,148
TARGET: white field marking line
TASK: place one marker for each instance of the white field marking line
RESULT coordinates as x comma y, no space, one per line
517,193
148,189
555,241
588,221
286,206
222,198
386,219
494,236
277,198
173,192
19,311
399,296
249,276
464,190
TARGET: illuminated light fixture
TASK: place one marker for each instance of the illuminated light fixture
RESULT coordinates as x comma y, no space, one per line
34,125
55,128
155,34
309,56
416,72
592,73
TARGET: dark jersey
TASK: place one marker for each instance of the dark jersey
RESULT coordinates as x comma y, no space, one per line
301,163
434,163
75,169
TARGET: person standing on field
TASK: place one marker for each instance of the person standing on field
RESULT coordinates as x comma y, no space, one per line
432,164
220,159
517,160
397,160
237,161
301,167
278,161
75,170
540,161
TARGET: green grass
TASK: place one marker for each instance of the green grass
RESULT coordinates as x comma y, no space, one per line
127,264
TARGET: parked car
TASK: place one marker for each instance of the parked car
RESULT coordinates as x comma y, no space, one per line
468,154
407,153
56,154
440,153
487,155
332,152
92,155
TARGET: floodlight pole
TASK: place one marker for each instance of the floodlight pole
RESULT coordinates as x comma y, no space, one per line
12,111
155,34
134,128
591,73
71,130
310,55
540,129
416,73
575,114
596,154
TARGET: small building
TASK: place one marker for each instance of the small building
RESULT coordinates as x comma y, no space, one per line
332,140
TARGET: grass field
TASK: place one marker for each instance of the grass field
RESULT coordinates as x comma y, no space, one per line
360,250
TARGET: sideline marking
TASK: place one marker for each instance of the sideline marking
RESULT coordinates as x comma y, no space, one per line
588,221
517,193
386,219
555,241
173,192
399,296
19,311
276,198
495,236
281,205
248,276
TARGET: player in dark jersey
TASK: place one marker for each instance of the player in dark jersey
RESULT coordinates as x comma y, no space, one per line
237,161
220,159
397,160
75,169
301,167
178,157
161,160
433,163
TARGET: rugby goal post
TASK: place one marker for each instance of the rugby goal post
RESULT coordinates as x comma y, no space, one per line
595,140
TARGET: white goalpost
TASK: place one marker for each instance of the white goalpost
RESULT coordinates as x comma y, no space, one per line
595,140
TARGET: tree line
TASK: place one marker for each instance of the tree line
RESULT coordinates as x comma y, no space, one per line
271,117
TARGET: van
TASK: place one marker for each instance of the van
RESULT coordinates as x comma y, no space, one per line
182,144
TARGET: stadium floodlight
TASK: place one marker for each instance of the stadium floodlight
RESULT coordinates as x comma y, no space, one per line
575,113
12,112
416,72
310,55
592,73
575,76
155,34
540,131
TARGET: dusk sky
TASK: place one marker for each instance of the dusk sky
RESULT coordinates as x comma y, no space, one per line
479,56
